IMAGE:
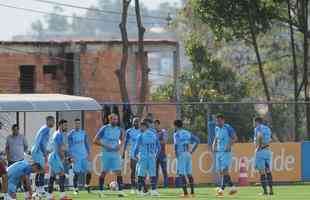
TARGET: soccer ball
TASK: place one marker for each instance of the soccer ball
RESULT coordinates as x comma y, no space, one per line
113,186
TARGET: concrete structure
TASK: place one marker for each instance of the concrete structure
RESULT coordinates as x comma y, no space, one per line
84,68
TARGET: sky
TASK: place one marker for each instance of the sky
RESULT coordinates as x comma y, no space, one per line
17,22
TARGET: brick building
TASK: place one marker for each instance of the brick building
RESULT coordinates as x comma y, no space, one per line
84,68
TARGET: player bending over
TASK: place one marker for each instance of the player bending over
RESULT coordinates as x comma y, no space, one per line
182,141
225,136
39,152
79,151
145,151
56,161
132,135
20,172
109,137
262,138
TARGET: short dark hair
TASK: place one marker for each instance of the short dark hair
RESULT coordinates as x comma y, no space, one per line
49,118
77,120
14,126
259,120
157,121
37,165
143,123
178,123
220,115
62,121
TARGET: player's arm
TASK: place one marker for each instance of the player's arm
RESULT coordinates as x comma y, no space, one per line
97,139
137,146
157,146
127,138
195,141
214,144
70,144
175,145
43,141
26,181
259,140
87,145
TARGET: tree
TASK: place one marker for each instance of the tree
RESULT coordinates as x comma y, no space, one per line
209,81
56,22
244,20
121,73
38,29
142,59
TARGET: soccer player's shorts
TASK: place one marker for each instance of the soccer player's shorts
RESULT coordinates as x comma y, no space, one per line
12,185
81,165
222,161
111,161
39,158
184,164
55,164
2,168
263,159
146,166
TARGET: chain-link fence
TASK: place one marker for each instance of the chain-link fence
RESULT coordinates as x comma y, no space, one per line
286,119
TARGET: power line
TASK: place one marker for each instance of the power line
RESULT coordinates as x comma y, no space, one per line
96,9
66,16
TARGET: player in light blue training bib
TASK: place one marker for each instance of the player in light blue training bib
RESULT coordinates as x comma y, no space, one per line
132,135
20,172
182,141
39,152
225,136
262,139
145,151
79,151
109,137
57,159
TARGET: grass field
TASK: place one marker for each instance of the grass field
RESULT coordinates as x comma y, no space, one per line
245,193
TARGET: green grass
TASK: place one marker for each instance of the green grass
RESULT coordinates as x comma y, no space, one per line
245,193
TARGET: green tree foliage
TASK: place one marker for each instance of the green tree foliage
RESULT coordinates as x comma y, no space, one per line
210,81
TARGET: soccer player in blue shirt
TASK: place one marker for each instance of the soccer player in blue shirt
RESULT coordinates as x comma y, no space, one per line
262,139
183,139
132,135
39,152
225,137
145,151
109,137
161,160
57,159
79,151
20,172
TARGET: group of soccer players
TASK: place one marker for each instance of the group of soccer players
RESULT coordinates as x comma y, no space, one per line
147,152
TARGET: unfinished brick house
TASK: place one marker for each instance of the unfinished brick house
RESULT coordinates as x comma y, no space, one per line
84,68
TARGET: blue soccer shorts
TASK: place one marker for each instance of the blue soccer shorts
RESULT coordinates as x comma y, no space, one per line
222,161
184,164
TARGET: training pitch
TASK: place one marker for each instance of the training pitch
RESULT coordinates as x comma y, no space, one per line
245,193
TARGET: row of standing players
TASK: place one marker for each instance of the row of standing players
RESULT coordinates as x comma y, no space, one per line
147,152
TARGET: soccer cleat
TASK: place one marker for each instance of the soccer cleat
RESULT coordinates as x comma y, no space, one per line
154,193
219,193
271,193
263,194
65,198
121,194
142,194
76,191
87,187
233,190
184,196
101,194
